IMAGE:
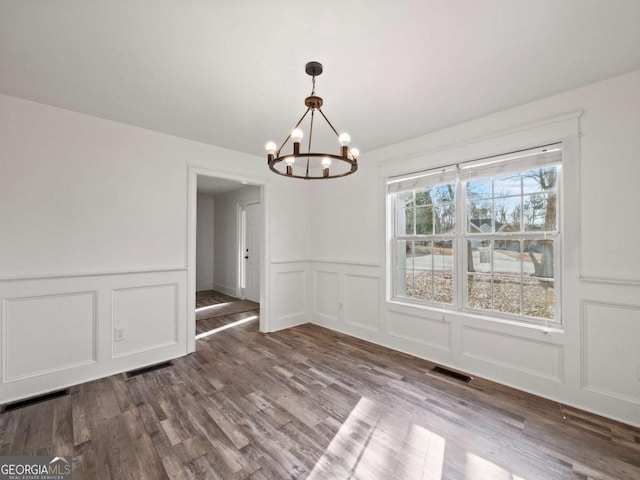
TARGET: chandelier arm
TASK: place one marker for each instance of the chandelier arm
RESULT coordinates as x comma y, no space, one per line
289,136
325,117
353,166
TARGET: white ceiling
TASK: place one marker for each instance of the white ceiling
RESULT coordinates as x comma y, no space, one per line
232,73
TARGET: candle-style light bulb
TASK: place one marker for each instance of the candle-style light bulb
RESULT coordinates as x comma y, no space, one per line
344,139
271,148
296,135
326,163
289,161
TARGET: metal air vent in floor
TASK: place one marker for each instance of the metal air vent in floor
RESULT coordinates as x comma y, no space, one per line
450,373
150,368
33,400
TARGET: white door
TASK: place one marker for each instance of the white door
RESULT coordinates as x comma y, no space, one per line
252,252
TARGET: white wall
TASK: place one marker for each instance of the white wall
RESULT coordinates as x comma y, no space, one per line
594,362
94,237
226,244
204,242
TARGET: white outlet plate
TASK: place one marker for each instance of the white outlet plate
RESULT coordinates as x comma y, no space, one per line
119,334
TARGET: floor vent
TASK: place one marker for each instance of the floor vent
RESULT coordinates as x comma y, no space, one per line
33,400
150,368
450,373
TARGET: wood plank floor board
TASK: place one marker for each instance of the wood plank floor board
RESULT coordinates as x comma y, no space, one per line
313,403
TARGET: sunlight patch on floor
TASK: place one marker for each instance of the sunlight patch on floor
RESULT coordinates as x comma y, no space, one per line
213,307
371,444
424,452
478,467
225,327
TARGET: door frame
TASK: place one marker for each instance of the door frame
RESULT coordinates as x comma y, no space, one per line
192,203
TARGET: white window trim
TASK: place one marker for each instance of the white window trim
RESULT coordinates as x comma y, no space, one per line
513,162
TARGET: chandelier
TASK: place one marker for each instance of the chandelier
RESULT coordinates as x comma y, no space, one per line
307,164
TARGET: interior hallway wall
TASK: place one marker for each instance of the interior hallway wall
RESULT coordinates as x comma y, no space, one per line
204,242
226,242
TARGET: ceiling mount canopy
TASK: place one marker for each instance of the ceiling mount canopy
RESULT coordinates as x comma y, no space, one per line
311,165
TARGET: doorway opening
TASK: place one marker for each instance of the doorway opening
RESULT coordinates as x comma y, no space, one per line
225,220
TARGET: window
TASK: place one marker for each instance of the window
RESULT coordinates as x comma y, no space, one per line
481,236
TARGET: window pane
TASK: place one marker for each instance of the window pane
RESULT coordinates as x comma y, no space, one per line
540,180
424,270
507,185
507,211
479,256
539,212
506,257
480,188
404,199
445,219
405,221
423,197
444,193
404,283
539,258
404,254
424,220
422,255
479,216
539,298
443,271
479,291
506,294
423,285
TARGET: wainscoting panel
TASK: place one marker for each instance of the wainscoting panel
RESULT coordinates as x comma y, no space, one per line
611,361
327,301
58,331
527,356
290,296
423,330
44,334
148,317
361,305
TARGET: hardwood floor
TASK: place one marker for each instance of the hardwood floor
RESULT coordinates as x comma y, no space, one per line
205,298
215,310
312,403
